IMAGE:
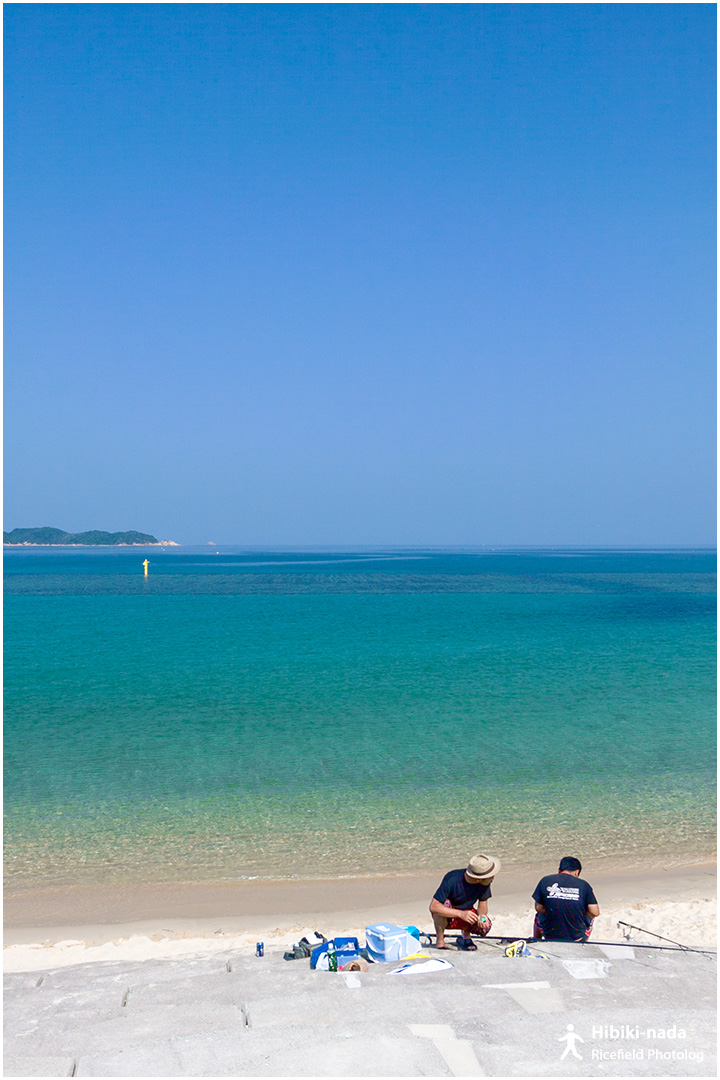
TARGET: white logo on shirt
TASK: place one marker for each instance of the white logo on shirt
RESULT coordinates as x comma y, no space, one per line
559,892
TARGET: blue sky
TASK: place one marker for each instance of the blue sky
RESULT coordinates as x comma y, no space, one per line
361,274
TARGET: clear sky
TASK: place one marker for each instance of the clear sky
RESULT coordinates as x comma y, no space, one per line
361,274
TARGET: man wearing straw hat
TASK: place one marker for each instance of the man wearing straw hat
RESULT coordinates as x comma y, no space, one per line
453,907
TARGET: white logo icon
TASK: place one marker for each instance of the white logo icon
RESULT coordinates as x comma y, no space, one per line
559,892
571,1039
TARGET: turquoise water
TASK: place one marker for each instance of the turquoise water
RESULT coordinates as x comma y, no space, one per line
265,714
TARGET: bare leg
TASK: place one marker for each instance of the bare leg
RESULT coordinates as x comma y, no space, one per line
440,927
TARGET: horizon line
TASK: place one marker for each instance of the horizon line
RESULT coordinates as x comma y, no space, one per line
345,547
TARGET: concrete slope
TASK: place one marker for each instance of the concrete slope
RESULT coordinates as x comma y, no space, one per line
583,1011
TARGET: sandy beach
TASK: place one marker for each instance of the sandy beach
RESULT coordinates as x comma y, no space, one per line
52,928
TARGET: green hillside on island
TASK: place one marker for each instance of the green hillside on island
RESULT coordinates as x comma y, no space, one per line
49,537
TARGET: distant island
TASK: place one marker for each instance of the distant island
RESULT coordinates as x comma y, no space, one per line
49,537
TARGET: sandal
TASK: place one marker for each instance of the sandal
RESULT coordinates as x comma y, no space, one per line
467,944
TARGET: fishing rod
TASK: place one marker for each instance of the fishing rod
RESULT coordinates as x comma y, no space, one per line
621,944
504,938
684,948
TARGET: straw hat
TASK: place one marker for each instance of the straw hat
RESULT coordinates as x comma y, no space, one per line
481,867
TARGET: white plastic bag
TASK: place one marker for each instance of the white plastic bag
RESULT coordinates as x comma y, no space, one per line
435,964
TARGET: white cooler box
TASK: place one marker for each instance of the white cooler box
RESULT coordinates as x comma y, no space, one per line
384,941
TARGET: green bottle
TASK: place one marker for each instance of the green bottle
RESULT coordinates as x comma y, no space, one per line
332,959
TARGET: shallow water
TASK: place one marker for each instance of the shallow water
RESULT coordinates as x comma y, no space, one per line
260,714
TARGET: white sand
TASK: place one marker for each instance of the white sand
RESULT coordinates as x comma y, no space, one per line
688,921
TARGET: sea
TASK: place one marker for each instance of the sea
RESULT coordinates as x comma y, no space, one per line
244,714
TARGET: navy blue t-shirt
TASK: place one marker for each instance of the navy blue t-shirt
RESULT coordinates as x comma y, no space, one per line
565,899
462,894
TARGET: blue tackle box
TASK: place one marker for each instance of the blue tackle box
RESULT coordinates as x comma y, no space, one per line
347,949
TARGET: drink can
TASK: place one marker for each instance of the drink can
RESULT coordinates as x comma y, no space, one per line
260,948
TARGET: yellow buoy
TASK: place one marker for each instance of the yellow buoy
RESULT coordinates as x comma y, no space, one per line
146,564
